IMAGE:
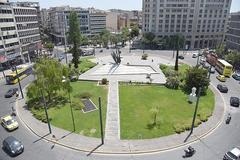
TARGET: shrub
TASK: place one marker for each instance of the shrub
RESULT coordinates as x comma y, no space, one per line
144,56
197,122
188,125
85,95
163,67
172,82
77,104
203,117
104,81
178,128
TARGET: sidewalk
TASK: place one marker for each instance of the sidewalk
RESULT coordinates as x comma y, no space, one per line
93,145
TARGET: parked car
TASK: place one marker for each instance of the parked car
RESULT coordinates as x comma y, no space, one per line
60,58
195,55
205,65
234,154
101,50
234,101
11,92
9,122
12,146
211,70
180,57
236,76
222,88
221,78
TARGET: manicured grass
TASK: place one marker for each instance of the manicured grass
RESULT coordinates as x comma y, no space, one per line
86,64
174,110
60,114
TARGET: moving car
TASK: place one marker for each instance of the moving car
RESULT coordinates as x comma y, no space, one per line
195,55
101,50
180,57
222,88
9,122
234,101
234,154
12,146
221,78
236,76
11,92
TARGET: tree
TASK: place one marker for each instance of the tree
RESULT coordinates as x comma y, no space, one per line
74,37
154,111
49,46
234,58
196,77
134,31
105,37
220,50
148,39
84,40
95,40
49,73
178,41
125,35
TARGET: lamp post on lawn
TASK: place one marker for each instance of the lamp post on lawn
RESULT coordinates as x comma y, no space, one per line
196,108
45,108
100,116
70,103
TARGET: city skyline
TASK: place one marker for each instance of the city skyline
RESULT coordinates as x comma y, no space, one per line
110,4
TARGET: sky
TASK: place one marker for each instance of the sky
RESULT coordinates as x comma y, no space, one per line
108,4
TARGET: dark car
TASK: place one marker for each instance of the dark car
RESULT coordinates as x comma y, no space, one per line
73,78
101,50
12,146
234,101
180,57
60,58
236,76
222,88
11,92
211,70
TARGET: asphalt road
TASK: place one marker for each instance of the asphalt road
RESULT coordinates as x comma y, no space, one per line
213,147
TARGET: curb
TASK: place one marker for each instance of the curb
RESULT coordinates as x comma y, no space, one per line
204,135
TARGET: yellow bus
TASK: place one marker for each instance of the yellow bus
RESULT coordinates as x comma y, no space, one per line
22,70
224,68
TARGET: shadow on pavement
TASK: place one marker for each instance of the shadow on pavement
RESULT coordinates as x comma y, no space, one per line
89,154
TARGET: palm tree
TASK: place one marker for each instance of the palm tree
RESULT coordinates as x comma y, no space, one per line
178,43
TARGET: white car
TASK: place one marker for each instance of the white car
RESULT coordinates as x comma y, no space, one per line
9,122
234,154
195,55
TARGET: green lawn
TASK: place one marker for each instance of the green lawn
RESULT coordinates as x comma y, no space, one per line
60,114
174,110
86,64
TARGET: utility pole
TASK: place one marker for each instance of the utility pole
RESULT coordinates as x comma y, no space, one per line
3,71
100,116
45,109
70,103
196,108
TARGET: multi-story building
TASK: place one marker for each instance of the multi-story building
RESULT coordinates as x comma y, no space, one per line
9,39
27,22
117,19
203,23
45,18
97,21
233,34
92,22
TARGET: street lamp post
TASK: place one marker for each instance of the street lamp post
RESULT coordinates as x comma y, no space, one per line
19,83
45,109
100,116
196,108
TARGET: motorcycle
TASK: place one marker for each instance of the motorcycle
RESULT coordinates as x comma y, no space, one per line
189,152
229,117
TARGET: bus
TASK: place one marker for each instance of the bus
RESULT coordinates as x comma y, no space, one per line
224,68
23,71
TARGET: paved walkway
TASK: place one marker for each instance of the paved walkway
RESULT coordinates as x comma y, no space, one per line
112,130
89,145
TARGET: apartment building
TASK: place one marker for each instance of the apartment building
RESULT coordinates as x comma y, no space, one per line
27,22
9,39
233,34
117,19
92,22
203,23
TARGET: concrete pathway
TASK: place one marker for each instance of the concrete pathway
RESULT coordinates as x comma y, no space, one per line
112,130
